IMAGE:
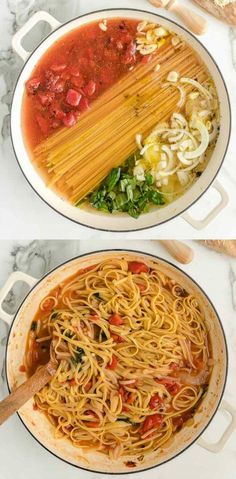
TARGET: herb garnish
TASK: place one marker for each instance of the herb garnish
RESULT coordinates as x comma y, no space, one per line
121,191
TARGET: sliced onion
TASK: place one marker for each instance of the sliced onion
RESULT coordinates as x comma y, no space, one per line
214,132
201,378
197,85
189,155
183,177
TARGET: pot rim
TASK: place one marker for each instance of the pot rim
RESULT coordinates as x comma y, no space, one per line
156,258
223,156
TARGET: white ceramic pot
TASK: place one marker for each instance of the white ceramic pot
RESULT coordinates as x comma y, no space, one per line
93,218
37,423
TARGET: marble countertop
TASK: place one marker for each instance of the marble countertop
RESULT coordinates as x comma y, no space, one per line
18,200
21,456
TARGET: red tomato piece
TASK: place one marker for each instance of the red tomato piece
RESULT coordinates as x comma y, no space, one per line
55,124
171,386
77,81
155,401
90,88
72,382
57,67
59,114
137,268
73,97
74,71
43,124
88,386
131,398
146,58
113,363
69,119
46,98
142,287
116,320
32,85
91,424
152,421
59,86
84,104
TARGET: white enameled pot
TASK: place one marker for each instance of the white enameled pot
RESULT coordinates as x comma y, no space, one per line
37,423
91,217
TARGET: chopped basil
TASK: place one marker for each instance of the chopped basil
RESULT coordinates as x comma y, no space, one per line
33,325
121,191
77,358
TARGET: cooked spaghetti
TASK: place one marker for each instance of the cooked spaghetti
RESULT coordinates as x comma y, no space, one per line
111,88
133,353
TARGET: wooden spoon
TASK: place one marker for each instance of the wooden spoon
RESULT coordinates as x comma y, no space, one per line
27,390
180,251
192,20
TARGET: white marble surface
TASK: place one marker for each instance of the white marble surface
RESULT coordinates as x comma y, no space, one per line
21,456
19,203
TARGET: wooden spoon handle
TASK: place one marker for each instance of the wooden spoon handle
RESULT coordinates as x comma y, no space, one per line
27,390
180,251
192,20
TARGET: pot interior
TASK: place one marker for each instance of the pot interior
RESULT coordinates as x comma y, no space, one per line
91,217
41,428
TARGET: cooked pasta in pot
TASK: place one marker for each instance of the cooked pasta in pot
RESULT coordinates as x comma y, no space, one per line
134,358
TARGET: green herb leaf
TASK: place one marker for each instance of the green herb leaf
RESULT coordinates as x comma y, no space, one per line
33,325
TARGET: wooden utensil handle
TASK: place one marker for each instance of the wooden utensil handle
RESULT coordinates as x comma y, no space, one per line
180,251
27,390
192,20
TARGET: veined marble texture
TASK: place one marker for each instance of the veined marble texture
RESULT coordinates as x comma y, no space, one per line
17,197
20,454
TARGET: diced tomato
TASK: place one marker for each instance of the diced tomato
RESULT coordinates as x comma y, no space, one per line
90,88
142,287
151,422
72,382
146,58
74,71
43,124
32,85
174,366
155,401
55,124
88,386
70,119
116,320
77,81
59,86
59,114
113,363
22,368
46,98
73,97
117,338
136,267
84,104
57,67
125,409
171,386
131,398
91,424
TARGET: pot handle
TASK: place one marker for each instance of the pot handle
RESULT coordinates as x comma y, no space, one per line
13,278
200,224
218,446
36,18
